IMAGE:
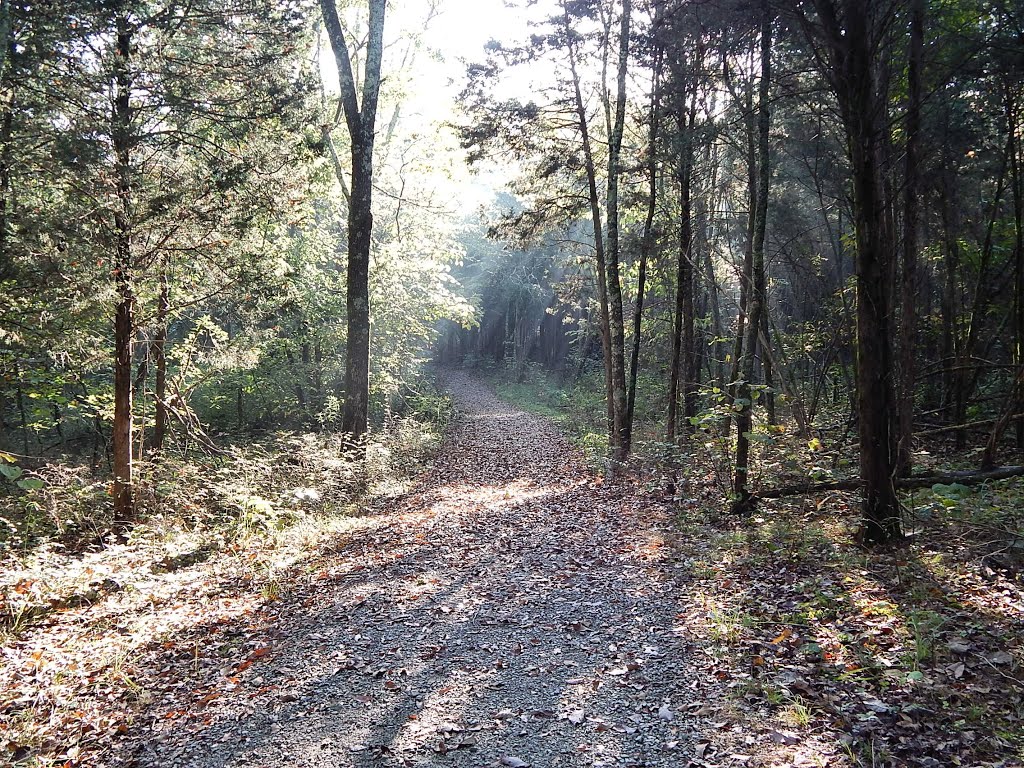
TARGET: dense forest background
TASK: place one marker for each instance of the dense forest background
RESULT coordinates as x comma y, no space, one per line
744,250
803,219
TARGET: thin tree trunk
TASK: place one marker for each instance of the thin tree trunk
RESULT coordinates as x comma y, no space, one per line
124,314
767,361
647,240
6,137
951,262
908,284
965,376
689,353
988,456
20,396
161,418
680,370
746,280
744,400
677,374
621,446
596,219
1018,250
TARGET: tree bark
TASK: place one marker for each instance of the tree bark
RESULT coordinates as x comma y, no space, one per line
1012,118
681,366
161,421
852,57
596,220
360,120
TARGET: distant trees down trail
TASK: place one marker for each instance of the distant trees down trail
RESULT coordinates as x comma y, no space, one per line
842,179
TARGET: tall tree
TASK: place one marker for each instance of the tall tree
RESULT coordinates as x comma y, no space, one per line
911,223
124,314
849,38
756,299
360,119
621,427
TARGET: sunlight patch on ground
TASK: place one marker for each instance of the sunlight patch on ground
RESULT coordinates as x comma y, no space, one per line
504,495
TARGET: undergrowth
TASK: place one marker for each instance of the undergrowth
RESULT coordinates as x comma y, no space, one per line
907,656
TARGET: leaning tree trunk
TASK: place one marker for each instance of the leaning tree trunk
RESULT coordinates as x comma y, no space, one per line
124,314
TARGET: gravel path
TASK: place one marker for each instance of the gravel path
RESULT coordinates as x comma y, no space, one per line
511,611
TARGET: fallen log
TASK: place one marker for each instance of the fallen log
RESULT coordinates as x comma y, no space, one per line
967,477
979,424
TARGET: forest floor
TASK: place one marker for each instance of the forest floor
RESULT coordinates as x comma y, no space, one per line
515,609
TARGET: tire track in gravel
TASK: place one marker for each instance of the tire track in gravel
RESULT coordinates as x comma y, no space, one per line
512,610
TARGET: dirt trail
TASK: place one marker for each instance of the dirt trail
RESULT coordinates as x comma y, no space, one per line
512,610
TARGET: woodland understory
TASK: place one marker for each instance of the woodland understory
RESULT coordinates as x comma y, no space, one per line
796,646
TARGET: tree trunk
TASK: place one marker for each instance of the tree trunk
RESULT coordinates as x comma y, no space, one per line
361,121
161,418
621,445
675,365
864,117
744,399
908,283
595,217
767,360
647,240
6,137
689,353
124,314
746,281
1018,250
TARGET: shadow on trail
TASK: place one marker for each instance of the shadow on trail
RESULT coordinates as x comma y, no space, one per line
509,607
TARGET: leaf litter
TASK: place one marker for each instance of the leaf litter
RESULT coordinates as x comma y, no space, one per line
513,610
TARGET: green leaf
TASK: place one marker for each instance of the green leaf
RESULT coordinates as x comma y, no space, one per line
10,472
31,484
